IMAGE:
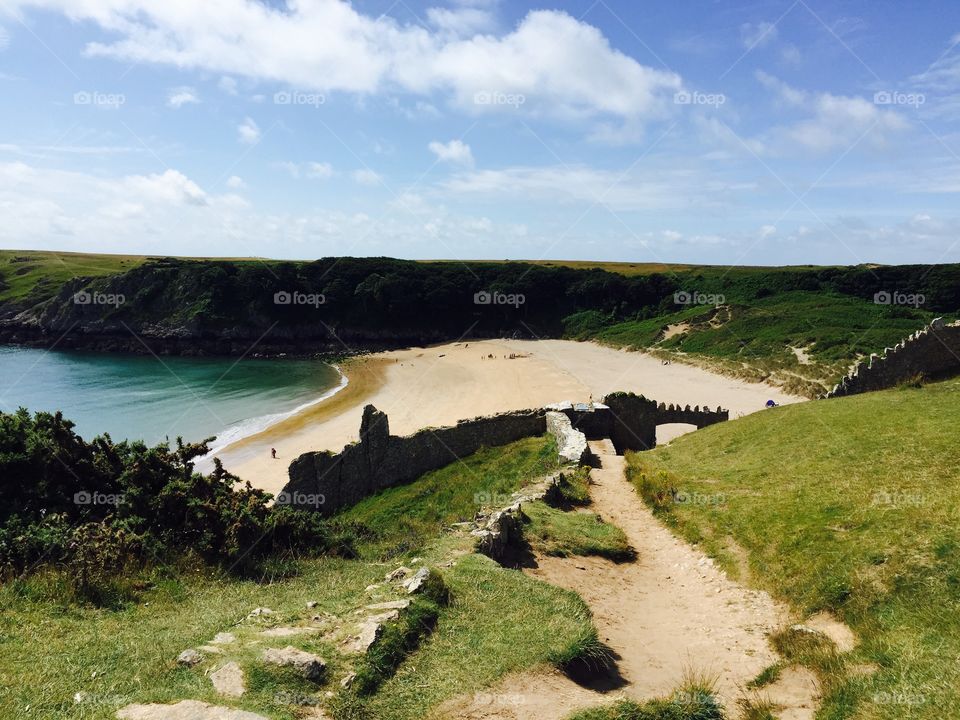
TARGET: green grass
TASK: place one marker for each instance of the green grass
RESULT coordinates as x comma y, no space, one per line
695,699
754,339
555,532
850,506
408,516
38,275
498,620
50,651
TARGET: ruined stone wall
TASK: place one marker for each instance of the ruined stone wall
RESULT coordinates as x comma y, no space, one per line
327,482
931,352
635,418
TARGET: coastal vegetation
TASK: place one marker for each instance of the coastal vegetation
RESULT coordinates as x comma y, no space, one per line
70,655
799,327
847,507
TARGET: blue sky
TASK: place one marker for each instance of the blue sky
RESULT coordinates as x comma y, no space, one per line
766,132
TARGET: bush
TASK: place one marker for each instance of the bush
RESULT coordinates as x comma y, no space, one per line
101,507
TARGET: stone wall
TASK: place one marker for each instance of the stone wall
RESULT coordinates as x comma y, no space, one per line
931,352
571,443
327,482
634,419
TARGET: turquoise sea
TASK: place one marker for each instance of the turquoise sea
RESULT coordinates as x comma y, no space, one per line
146,398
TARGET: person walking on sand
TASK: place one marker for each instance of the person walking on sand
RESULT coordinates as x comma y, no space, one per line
273,453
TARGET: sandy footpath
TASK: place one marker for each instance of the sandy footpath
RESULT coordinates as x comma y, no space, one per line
435,386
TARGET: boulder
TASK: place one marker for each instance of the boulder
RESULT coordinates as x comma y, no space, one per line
307,664
190,658
229,680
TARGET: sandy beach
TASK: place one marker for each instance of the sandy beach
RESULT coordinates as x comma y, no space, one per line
421,387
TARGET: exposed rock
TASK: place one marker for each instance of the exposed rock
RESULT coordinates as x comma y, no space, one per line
224,638
398,574
185,710
312,604
190,657
416,583
347,680
308,664
571,444
390,605
371,629
288,631
211,649
228,680
260,612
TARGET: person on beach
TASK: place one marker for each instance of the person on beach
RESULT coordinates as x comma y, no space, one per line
273,453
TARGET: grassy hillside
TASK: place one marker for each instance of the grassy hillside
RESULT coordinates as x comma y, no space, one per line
798,327
850,506
60,659
34,274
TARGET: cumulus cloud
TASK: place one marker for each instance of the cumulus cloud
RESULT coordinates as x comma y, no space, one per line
831,122
235,182
248,132
170,214
228,85
757,35
366,177
181,96
310,170
561,65
455,151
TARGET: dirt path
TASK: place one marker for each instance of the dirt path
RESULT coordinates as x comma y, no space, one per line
667,614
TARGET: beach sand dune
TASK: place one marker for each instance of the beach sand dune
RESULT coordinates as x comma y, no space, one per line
439,385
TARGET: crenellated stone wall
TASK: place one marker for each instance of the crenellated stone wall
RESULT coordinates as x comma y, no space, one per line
327,482
931,352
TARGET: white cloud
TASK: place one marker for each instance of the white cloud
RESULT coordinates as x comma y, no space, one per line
4,38
248,132
833,122
169,214
561,65
455,151
790,55
235,182
757,35
319,170
228,85
461,22
311,170
366,177
666,185
181,96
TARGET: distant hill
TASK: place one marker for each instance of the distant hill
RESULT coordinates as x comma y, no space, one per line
799,327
